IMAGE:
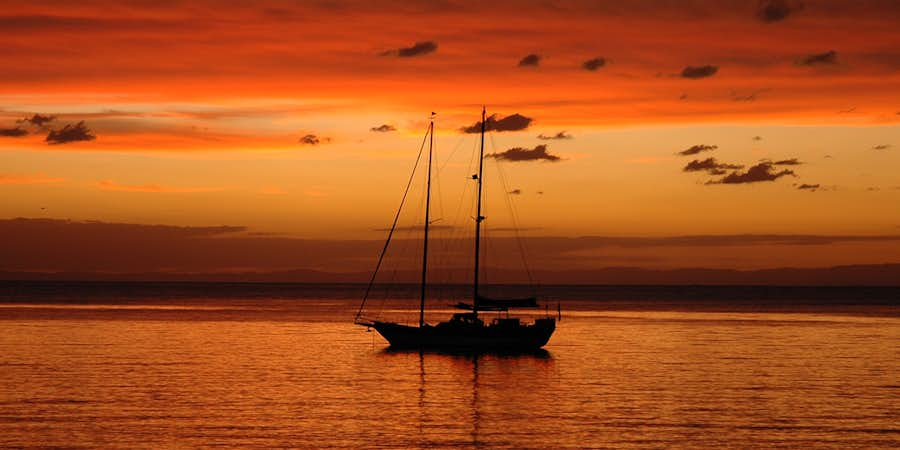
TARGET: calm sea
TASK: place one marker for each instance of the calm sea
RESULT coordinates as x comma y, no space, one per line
176,365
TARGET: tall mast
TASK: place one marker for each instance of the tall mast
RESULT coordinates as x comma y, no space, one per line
478,217
427,220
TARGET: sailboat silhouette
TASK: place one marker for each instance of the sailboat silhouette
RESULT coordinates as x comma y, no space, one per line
465,330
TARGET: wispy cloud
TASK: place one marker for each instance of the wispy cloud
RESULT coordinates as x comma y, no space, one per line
711,166
109,185
417,49
826,58
312,139
695,72
788,162
29,179
594,64
693,150
777,10
515,122
518,154
808,187
881,147
532,60
562,135
38,120
383,128
764,171
515,192
70,133
13,132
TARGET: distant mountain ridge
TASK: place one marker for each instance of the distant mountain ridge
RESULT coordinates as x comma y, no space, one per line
847,275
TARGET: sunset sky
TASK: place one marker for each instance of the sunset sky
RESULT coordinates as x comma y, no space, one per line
302,120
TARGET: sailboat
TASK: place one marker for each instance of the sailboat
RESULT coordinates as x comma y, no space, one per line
464,330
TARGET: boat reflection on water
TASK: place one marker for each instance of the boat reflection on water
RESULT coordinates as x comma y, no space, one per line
461,392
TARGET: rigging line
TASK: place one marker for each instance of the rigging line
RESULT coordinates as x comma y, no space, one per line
458,234
452,152
404,240
408,236
393,227
437,183
515,223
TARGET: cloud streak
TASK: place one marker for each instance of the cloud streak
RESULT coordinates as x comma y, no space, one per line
383,128
594,64
815,59
562,135
519,154
695,149
711,166
532,60
697,72
417,49
764,171
312,139
78,132
13,132
515,122
38,120
777,10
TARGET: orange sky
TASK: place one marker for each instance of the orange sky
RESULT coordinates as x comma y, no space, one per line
198,110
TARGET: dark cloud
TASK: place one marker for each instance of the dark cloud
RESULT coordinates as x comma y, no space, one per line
38,120
710,165
12,132
593,64
695,72
881,147
383,128
557,136
829,57
514,192
697,149
516,154
418,49
788,162
776,10
764,171
531,60
808,187
70,133
311,139
514,122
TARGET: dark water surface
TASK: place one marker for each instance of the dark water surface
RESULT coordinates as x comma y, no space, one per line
273,366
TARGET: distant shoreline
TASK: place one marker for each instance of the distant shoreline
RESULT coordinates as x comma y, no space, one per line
848,275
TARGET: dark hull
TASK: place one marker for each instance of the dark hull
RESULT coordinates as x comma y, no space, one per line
468,336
